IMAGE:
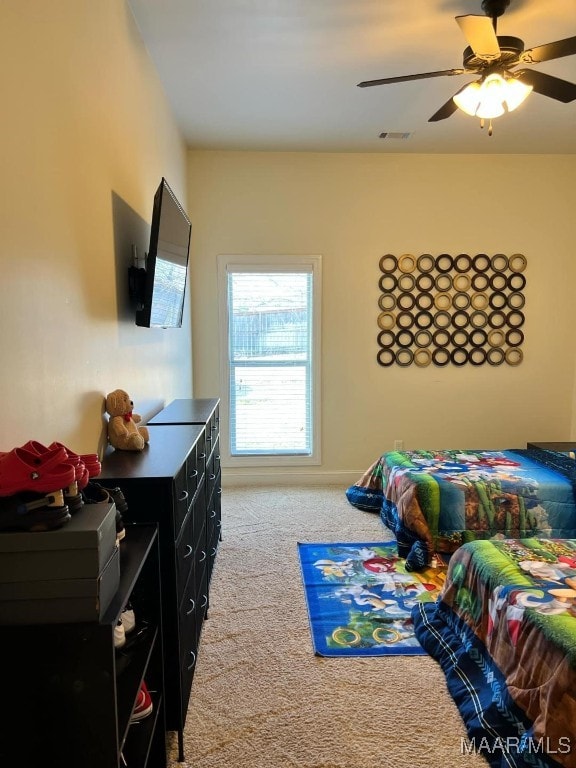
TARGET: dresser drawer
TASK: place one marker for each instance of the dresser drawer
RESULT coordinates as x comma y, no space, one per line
185,553
182,499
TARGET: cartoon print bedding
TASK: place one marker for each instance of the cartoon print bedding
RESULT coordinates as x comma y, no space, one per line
504,633
438,500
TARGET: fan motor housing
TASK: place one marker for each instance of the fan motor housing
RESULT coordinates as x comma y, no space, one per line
510,50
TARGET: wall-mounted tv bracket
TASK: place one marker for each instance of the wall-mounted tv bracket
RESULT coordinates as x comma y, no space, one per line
137,278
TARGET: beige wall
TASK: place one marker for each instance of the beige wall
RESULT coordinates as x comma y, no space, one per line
85,136
354,208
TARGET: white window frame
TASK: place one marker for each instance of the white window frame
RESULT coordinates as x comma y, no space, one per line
243,263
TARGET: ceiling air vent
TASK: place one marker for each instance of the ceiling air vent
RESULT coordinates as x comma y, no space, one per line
394,135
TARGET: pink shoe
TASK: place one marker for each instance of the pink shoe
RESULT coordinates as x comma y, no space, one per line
23,470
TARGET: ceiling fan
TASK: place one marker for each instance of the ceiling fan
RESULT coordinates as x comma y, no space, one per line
500,88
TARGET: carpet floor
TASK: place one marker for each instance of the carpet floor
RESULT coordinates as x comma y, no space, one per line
260,696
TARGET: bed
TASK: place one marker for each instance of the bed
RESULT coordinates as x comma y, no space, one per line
435,501
504,633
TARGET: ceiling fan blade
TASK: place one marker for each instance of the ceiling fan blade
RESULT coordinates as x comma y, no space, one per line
548,51
406,78
446,110
480,35
548,85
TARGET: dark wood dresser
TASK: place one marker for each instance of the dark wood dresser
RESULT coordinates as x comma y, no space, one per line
176,482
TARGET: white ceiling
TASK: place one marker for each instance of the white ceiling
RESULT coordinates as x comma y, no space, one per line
282,74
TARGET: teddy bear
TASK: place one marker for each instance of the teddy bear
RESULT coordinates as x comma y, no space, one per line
123,430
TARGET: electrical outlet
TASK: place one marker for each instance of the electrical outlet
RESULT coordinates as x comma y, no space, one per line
398,445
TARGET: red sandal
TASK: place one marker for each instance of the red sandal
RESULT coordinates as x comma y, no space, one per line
23,470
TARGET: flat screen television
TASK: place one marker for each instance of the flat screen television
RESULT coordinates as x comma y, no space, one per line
161,301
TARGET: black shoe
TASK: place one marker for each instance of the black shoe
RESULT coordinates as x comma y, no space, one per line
94,493
33,512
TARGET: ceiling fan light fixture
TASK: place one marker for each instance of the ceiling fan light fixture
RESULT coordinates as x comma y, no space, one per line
492,97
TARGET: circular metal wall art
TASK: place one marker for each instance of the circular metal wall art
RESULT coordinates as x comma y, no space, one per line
451,309
387,301
388,263
407,263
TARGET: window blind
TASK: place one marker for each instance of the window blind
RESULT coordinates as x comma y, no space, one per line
270,355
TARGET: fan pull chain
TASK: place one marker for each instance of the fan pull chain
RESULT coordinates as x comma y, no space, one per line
489,125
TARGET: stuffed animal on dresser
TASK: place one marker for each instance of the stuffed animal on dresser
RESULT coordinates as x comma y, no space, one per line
123,430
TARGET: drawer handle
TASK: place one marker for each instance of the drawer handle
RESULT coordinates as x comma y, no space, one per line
213,553
219,491
208,438
203,557
192,606
212,514
211,477
219,523
204,601
184,496
189,551
218,457
193,660
194,473
202,456
213,427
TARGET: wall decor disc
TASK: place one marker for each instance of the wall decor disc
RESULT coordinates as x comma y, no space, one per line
406,300
422,338
495,356
444,263
422,357
496,337
405,319
386,321
479,300
442,301
425,282
461,300
459,338
515,319
477,356
516,300
461,282
480,282
480,262
404,357
406,282
478,319
407,263
514,356
517,263
497,319
478,337
405,338
442,319
498,300
425,262
459,356
499,262
388,263
516,282
423,319
387,301
424,300
388,283
462,263
386,339
441,338
441,357
443,282
386,357
460,319
514,337
498,281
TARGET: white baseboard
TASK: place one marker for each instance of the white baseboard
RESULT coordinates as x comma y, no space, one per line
232,478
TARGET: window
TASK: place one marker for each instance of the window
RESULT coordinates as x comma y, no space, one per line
270,342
